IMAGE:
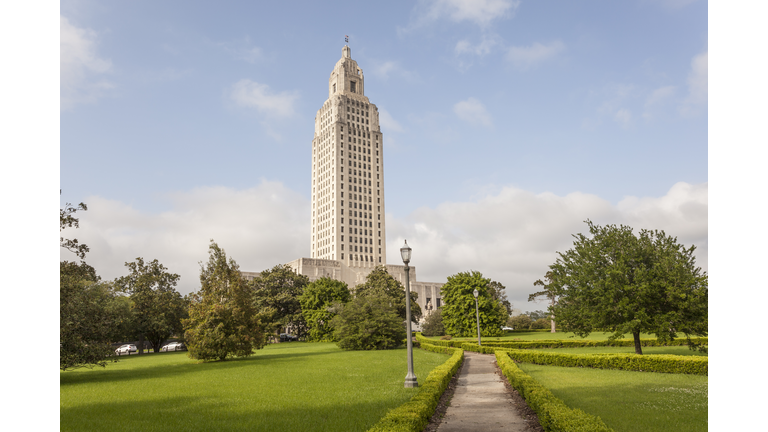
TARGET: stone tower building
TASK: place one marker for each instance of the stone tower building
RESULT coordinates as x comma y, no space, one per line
348,237
348,173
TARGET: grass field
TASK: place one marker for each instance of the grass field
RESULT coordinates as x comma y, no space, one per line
289,386
630,401
674,350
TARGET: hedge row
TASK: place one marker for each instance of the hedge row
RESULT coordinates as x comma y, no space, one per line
414,415
630,362
554,415
589,343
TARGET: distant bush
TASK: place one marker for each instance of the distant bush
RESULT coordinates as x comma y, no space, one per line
433,324
368,323
446,337
520,322
541,323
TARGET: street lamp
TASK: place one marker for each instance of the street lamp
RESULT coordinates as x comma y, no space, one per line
477,311
410,379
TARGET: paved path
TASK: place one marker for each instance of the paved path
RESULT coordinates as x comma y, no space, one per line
481,401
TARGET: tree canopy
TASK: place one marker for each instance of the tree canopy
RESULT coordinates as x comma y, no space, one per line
276,295
222,320
618,282
320,302
369,322
458,310
157,308
380,282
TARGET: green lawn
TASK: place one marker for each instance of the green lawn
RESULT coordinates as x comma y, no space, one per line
674,350
630,401
289,386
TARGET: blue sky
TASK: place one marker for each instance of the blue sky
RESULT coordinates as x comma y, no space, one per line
506,124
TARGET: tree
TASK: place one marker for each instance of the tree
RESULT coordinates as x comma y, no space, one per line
537,314
520,322
458,313
499,293
156,305
616,281
433,324
320,302
540,323
548,292
91,315
369,322
222,321
379,282
276,298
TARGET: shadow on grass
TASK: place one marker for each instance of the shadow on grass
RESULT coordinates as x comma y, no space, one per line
187,413
167,370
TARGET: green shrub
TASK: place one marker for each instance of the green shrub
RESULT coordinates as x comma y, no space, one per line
368,323
520,322
588,343
414,415
541,323
433,324
446,337
554,415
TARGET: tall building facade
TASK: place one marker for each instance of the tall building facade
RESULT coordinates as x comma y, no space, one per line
348,237
348,210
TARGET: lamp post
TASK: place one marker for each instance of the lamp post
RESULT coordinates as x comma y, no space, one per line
477,312
410,379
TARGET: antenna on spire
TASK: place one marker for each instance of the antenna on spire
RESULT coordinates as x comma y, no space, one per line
346,38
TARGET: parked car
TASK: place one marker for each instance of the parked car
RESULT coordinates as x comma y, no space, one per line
173,346
126,349
285,337
507,328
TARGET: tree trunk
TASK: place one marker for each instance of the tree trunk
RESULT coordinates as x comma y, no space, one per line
140,347
553,325
638,348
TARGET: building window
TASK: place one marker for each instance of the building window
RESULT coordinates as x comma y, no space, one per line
352,86
437,302
334,90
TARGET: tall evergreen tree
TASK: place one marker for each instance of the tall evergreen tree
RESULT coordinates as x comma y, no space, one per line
222,320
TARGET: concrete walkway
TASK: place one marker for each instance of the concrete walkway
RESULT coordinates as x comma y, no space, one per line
481,401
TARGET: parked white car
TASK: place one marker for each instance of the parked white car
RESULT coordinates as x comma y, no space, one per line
126,349
173,346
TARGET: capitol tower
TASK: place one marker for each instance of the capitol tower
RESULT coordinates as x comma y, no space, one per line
348,173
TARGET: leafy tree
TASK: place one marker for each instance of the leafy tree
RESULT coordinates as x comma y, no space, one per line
548,292
520,322
68,220
433,324
499,293
156,305
320,302
623,283
276,298
91,315
369,322
458,313
379,282
540,323
537,314
222,320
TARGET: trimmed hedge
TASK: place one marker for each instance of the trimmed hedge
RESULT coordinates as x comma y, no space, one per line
629,362
554,415
589,343
414,415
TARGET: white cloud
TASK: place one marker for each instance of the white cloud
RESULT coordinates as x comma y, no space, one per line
660,95
258,227
698,82
251,94
623,116
80,66
388,123
473,112
480,12
514,235
481,49
390,68
510,236
527,57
